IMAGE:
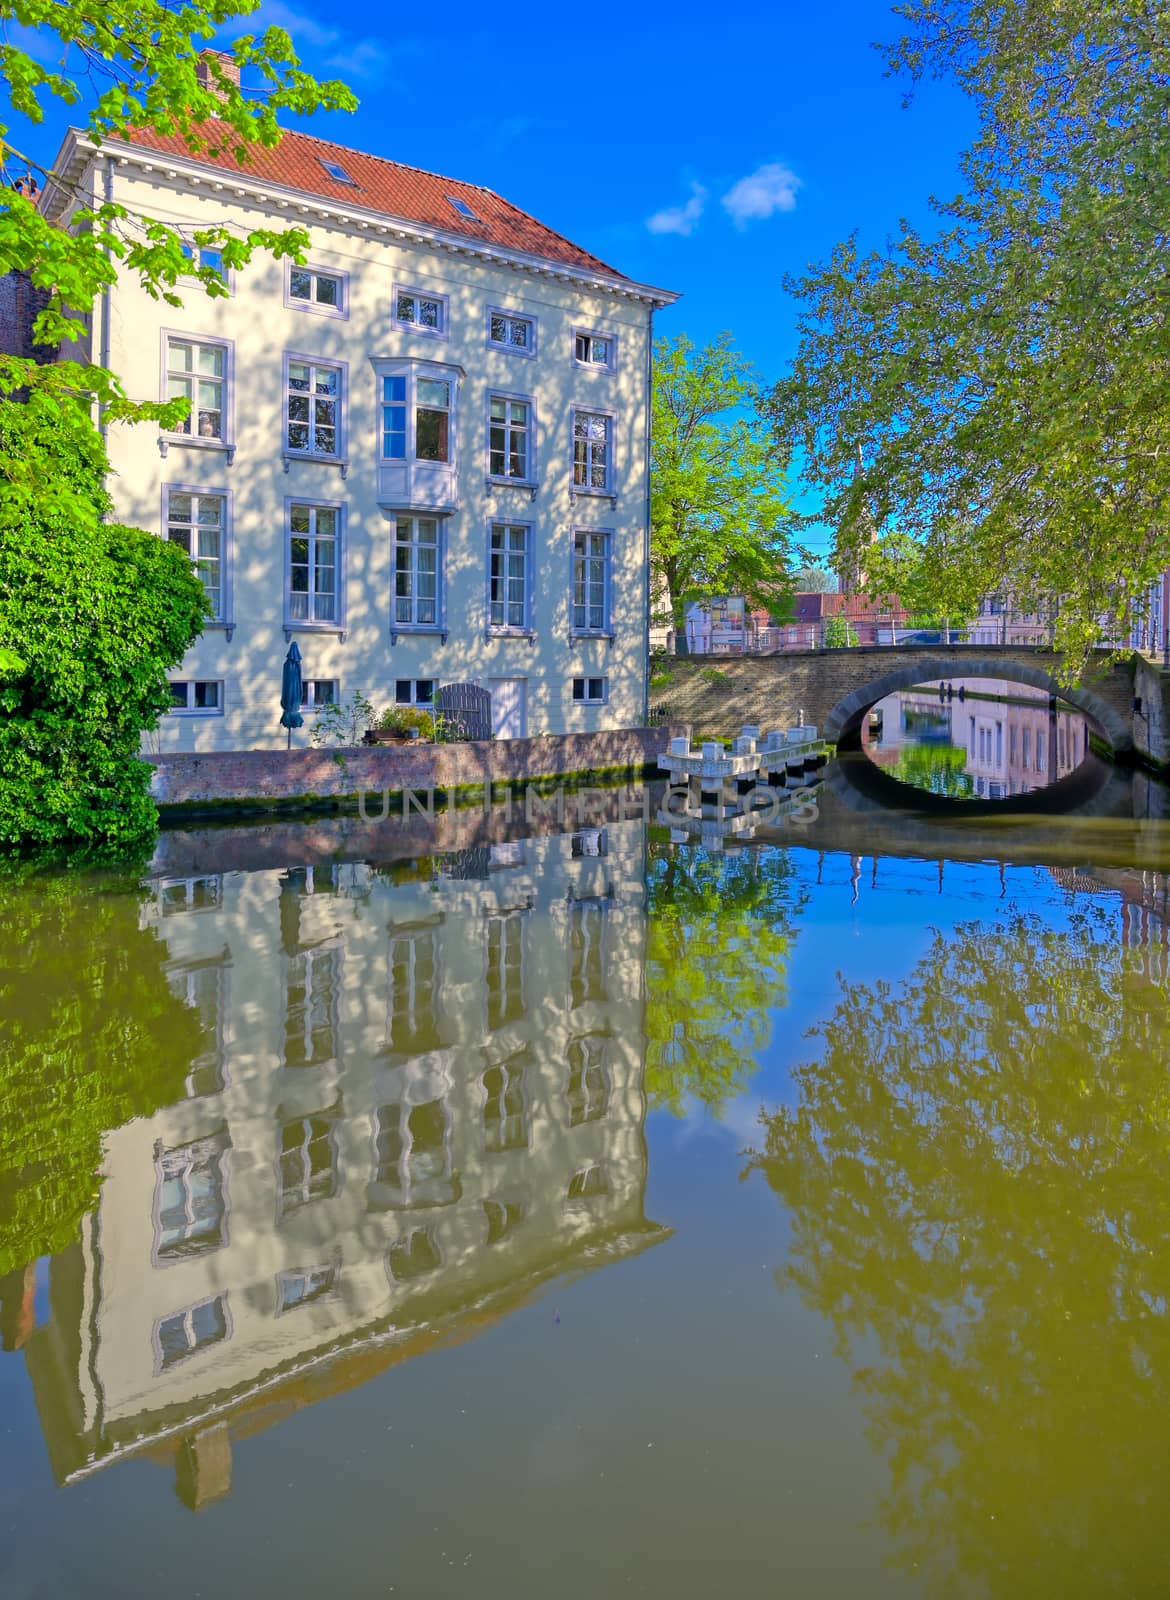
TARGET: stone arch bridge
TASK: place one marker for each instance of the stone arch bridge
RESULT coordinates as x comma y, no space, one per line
835,688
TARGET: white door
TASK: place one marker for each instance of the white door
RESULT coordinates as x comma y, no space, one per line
509,707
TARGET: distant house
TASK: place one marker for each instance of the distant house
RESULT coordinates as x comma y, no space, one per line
729,627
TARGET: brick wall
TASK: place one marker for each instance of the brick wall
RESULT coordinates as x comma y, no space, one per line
19,304
259,777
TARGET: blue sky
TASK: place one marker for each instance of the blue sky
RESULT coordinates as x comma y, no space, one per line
703,153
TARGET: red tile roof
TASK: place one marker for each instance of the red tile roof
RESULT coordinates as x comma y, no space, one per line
405,193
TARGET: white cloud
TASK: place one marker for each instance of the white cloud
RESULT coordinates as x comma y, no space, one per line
680,219
304,29
761,194
365,59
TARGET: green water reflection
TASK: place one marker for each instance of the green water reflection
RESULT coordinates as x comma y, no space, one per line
440,1126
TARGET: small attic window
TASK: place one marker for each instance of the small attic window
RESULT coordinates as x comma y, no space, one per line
463,208
336,171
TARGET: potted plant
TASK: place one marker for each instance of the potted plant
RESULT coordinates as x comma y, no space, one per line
402,724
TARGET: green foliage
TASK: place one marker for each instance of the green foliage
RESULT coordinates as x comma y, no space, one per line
923,581
140,59
401,719
10,662
719,506
717,943
714,675
100,612
343,721
937,768
92,1037
814,580
974,1170
840,633
1004,381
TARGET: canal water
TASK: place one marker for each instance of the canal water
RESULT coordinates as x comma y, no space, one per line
526,1206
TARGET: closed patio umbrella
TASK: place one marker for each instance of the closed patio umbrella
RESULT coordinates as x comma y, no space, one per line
292,690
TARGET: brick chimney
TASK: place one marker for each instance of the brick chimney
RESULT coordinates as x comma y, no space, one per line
223,61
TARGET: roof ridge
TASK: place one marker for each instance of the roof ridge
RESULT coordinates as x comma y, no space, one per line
406,166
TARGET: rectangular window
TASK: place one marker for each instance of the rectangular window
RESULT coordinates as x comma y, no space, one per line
312,408
425,313
416,572
190,894
394,419
413,1021
190,1198
432,419
590,691
301,1285
201,695
590,582
593,350
415,691
509,429
207,257
588,1183
312,289
203,986
414,1256
591,450
587,951
312,563
503,1108
508,331
505,968
412,1167
588,1092
310,1018
197,523
318,692
307,1169
196,371
180,1335
508,576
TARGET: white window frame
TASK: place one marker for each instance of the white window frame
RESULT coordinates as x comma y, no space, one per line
439,625
524,627
413,699
610,364
608,417
311,624
309,700
188,1313
195,254
585,698
328,1274
413,373
502,479
192,439
191,709
409,325
528,351
313,305
585,631
337,456
198,491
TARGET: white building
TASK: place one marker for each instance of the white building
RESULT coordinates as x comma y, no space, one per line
423,454
421,1100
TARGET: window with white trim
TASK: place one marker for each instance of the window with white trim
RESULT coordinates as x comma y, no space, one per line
507,331
317,692
588,1183
312,563
417,572
505,967
313,289
421,433
300,1285
312,408
196,370
180,1335
412,1024
197,523
190,1198
207,256
201,696
504,1108
509,438
590,582
313,991
588,1091
424,313
508,576
593,350
592,450
587,924
415,691
307,1169
590,691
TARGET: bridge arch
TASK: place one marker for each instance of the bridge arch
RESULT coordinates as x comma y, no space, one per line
843,723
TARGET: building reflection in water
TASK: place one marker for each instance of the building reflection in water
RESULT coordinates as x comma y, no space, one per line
420,1097
985,738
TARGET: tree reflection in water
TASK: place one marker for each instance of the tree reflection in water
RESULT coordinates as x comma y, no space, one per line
978,1174
719,936
937,768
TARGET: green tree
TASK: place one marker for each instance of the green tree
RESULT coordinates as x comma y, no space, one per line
136,64
92,1036
719,933
96,613
1003,380
814,580
719,509
840,633
937,768
975,1173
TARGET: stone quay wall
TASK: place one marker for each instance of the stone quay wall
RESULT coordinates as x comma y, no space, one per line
264,779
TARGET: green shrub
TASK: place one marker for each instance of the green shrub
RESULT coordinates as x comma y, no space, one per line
714,675
343,722
401,719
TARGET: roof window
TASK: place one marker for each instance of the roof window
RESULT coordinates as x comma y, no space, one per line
336,171
463,208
